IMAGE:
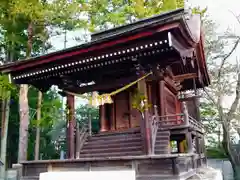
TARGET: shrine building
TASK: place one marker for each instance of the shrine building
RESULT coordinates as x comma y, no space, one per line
158,63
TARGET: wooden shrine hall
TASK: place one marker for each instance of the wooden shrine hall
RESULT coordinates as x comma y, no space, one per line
158,62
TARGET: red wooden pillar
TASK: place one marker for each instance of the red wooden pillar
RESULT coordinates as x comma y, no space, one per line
113,121
145,124
147,128
162,96
71,125
103,121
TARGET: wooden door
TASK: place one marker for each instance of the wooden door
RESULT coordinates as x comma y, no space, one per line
172,105
153,96
122,113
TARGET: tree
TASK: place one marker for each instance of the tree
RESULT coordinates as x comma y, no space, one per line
5,94
225,77
35,14
105,14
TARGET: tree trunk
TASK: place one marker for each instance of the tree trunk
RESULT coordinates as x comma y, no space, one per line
37,142
4,132
24,122
236,172
23,106
232,156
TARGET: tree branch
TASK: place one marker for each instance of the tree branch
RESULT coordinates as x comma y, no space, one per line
225,58
237,18
236,100
210,97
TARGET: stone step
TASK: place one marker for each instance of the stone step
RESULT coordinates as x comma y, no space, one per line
117,136
89,145
30,178
113,154
161,145
110,149
157,177
113,140
162,151
162,141
163,133
162,138
126,131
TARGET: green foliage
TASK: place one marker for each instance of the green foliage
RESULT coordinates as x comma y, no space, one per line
105,14
49,110
50,115
139,101
5,86
48,149
198,10
84,111
216,153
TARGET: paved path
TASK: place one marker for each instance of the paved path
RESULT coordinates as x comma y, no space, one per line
224,166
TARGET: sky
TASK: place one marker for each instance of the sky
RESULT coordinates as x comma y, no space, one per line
220,11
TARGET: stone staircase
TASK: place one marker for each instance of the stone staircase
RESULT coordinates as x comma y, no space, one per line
29,178
125,143
162,142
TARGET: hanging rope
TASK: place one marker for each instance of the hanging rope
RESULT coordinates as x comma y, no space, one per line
97,100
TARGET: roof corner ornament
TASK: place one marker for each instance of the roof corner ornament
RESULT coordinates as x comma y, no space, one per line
184,59
200,77
187,13
192,63
193,23
170,39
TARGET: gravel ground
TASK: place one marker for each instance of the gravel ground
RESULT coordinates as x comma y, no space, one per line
207,173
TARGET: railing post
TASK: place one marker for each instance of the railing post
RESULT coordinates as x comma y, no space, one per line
185,112
154,128
175,166
19,169
77,141
189,142
90,124
146,131
156,111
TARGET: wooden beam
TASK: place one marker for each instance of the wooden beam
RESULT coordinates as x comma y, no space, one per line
183,77
106,85
192,98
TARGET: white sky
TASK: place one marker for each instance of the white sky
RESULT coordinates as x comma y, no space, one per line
220,12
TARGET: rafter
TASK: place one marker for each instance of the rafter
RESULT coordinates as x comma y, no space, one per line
183,77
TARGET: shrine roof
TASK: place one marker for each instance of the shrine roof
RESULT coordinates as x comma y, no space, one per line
100,37
168,39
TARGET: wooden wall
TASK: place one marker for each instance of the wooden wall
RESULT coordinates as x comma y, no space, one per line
120,115
170,103
122,111
123,116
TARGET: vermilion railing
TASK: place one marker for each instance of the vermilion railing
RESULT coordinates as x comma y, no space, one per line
195,124
173,120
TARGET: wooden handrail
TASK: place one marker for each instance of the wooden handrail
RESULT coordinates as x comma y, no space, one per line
154,128
172,115
82,134
172,118
195,123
